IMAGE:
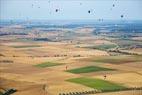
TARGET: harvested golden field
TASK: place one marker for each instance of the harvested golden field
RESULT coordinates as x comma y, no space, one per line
68,59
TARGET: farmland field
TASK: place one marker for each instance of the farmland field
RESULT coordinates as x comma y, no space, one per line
103,46
119,60
47,64
45,59
97,84
26,46
88,69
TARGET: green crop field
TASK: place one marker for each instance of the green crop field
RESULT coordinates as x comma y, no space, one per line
26,46
47,64
88,69
103,46
97,84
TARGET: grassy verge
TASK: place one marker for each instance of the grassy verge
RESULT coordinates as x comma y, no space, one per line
98,84
88,69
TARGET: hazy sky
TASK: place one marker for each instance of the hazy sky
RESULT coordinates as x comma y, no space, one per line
70,9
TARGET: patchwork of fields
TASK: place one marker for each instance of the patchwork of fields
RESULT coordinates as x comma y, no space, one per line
70,61
64,74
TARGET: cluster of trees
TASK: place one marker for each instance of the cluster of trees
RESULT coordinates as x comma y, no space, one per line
124,52
100,91
60,55
56,55
6,61
8,91
81,93
4,34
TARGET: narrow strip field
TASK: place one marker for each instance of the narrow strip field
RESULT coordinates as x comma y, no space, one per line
26,46
47,64
88,69
103,46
